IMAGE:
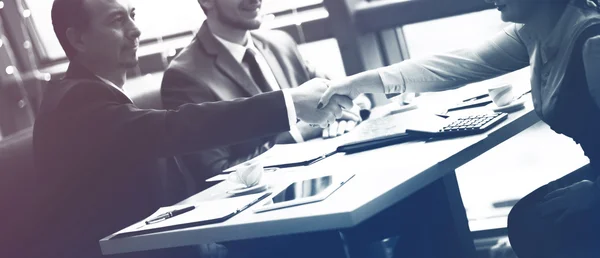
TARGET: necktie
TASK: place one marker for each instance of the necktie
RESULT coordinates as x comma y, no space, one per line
255,72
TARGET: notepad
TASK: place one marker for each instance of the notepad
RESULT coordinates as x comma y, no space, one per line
209,212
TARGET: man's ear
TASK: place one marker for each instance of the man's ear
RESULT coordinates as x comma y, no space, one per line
75,39
207,4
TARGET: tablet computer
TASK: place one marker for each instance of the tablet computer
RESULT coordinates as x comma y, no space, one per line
304,191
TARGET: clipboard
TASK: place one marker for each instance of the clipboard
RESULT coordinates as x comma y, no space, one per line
204,213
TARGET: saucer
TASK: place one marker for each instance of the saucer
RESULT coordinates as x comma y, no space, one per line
246,190
513,106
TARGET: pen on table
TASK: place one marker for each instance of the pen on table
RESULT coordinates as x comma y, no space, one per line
523,94
169,214
477,97
253,202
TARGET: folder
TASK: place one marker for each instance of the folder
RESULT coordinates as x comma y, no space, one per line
204,213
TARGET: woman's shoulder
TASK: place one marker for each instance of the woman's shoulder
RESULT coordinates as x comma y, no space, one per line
516,31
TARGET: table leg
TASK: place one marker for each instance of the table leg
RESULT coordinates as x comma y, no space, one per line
432,222
449,228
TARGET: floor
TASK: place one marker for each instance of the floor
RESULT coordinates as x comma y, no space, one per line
494,181
491,183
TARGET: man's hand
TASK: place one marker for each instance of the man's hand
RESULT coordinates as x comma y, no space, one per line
352,87
349,120
306,98
570,200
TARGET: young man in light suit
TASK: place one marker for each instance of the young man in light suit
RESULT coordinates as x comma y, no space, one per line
230,59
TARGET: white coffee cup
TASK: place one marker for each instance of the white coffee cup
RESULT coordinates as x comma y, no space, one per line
501,94
248,174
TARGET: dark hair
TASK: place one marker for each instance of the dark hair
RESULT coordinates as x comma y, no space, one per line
68,14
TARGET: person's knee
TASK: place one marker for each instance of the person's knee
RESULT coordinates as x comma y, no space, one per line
515,225
523,225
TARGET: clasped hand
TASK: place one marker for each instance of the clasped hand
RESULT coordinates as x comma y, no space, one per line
306,99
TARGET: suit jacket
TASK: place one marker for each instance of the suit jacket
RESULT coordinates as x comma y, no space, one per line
205,71
95,151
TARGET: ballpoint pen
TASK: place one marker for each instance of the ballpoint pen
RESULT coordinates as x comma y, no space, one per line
169,214
476,97
474,102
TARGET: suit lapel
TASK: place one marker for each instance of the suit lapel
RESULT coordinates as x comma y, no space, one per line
272,62
225,61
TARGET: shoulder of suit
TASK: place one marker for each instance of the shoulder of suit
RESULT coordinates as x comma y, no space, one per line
74,92
188,56
275,37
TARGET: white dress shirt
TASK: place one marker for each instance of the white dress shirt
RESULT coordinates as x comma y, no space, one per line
238,51
114,86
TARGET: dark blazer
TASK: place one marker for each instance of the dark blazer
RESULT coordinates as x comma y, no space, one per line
205,71
96,153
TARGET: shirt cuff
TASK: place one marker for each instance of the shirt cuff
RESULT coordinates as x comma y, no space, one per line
292,118
392,80
295,132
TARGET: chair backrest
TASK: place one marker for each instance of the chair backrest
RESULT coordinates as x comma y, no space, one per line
16,162
17,187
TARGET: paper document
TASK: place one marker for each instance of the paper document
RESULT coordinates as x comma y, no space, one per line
297,154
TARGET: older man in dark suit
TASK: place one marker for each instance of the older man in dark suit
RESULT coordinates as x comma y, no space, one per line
95,149
229,59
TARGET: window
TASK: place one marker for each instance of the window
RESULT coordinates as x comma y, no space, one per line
446,34
278,6
155,19
325,56
452,33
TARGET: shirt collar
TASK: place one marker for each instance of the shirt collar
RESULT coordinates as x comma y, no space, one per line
237,51
568,20
112,85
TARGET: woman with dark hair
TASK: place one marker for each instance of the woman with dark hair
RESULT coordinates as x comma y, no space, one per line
560,41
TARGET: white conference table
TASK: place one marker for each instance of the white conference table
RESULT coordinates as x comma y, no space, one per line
384,176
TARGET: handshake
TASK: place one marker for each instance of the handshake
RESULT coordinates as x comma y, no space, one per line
338,115
321,102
